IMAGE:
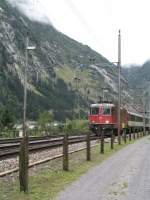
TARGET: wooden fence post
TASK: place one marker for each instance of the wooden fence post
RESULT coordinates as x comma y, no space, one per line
129,134
112,139
134,134
102,140
88,147
125,136
142,132
138,134
65,152
23,164
99,133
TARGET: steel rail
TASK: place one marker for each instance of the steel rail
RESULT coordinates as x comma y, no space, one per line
9,151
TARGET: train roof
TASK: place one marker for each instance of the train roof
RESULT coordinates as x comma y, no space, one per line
135,114
102,104
138,115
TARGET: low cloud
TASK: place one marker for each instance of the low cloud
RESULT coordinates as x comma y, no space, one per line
32,9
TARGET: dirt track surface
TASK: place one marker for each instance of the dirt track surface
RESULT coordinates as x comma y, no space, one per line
124,176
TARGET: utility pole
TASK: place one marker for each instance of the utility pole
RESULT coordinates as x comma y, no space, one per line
23,155
149,111
119,85
144,114
103,96
24,152
77,97
25,89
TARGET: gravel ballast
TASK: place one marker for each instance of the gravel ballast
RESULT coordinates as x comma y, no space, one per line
124,176
12,163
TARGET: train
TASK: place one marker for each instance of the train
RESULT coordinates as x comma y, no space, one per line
105,114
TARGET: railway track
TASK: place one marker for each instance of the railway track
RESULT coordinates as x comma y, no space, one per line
10,148
33,138
52,150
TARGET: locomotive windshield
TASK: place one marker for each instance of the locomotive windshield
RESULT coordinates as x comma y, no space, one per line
94,111
106,111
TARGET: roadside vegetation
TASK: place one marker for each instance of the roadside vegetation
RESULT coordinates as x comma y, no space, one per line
48,127
44,126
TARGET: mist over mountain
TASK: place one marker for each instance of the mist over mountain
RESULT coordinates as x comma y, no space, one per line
31,9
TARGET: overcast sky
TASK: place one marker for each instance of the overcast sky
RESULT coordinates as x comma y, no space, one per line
96,23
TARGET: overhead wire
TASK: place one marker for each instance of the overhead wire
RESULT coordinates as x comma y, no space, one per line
82,19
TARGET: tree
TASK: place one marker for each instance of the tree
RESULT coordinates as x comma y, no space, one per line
44,120
6,118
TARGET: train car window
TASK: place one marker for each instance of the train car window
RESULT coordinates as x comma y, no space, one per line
106,111
140,119
94,111
129,117
132,118
136,118
146,120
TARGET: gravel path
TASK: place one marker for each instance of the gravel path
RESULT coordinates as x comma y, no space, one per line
124,176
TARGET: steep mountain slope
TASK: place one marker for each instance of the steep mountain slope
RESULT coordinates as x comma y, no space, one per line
138,78
53,68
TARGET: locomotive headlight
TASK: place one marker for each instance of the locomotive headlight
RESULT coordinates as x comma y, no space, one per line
107,122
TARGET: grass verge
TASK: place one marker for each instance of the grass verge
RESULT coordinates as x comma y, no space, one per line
51,179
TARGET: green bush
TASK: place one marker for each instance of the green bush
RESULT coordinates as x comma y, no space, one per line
76,126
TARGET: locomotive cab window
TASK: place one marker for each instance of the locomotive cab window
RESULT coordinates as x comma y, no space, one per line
94,111
106,111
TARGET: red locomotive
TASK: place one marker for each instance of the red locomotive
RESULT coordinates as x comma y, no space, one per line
105,115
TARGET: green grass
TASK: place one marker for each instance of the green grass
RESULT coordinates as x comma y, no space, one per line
51,179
